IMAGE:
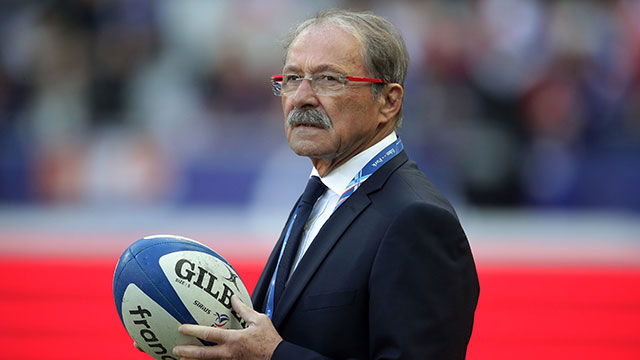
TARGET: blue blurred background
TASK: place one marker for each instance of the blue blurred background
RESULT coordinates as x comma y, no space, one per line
508,103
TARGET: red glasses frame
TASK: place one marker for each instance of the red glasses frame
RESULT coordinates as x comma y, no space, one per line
279,77
277,80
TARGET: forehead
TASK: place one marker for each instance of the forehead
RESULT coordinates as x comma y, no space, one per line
325,47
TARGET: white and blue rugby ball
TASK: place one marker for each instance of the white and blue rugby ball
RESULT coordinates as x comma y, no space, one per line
163,281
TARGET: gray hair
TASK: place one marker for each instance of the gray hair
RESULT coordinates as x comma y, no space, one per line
384,52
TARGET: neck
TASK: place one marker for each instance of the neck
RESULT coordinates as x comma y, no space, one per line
325,165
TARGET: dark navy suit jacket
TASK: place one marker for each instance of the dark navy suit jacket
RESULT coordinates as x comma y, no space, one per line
389,276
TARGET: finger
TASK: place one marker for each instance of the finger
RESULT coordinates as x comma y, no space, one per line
199,352
245,311
204,332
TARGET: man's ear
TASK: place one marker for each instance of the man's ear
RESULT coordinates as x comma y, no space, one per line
391,101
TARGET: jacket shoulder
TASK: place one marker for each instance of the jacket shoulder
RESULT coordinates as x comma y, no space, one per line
408,186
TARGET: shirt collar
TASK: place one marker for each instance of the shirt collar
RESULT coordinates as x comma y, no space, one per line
338,179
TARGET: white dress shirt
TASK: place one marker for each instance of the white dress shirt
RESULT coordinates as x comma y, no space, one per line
336,182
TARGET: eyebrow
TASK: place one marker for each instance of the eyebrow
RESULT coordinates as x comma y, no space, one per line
323,67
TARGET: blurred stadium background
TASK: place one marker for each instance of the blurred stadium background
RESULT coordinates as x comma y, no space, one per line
126,118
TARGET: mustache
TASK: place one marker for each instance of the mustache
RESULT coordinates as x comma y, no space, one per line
311,117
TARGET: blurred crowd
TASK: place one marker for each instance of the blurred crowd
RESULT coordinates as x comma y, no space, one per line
509,103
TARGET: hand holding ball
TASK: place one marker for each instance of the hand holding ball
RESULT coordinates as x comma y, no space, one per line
163,281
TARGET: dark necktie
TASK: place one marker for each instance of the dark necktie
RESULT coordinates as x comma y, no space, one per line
312,192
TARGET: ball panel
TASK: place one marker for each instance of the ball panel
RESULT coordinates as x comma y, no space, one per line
163,292
205,284
143,269
150,326
124,270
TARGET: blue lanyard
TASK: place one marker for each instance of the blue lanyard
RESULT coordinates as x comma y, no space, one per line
374,164
272,284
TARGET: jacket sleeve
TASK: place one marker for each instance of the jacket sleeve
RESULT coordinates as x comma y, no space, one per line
289,351
423,287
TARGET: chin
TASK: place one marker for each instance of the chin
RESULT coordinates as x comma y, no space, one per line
307,148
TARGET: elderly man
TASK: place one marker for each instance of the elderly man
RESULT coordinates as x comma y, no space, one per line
372,262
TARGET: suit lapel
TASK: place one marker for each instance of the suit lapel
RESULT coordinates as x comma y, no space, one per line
329,235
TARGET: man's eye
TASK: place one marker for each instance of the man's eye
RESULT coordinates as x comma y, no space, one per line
329,78
291,77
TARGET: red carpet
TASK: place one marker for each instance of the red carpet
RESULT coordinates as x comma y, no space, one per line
63,309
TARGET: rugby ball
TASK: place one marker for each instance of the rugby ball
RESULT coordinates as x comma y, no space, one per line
163,281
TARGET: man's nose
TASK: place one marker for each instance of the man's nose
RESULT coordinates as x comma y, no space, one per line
305,97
